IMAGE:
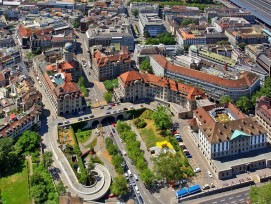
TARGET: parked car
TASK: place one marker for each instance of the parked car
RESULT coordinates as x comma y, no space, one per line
206,186
107,112
210,175
79,119
197,170
137,190
108,108
114,111
85,118
125,108
212,185
188,156
121,140
60,123
135,176
113,130
184,181
66,122
91,116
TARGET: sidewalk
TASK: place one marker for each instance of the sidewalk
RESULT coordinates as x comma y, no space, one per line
147,154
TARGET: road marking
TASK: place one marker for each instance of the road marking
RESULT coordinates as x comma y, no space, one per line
238,196
233,201
214,202
241,199
246,194
230,198
149,200
145,192
222,200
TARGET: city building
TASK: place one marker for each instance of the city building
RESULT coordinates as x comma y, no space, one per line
144,7
150,23
247,35
231,142
206,52
182,10
229,22
199,35
17,125
6,40
107,37
107,67
9,57
58,79
213,85
135,86
263,114
144,51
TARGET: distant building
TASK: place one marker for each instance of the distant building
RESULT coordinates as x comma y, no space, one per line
144,7
182,10
9,57
151,23
107,37
231,142
247,35
229,22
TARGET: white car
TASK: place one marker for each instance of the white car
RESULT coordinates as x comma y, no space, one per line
121,140
197,170
137,190
210,175
206,186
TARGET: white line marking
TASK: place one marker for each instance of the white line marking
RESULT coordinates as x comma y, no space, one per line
214,202
233,202
241,199
222,200
246,193
238,196
145,192
149,201
230,198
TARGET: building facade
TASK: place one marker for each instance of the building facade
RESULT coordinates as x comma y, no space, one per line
226,137
150,23
135,86
107,67
214,86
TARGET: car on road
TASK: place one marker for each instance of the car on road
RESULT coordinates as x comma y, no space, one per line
210,175
206,186
113,130
126,176
132,107
107,112
114,124
114,111
188,156
124,153
101,107
141,199
197,170
134,183
125,108
108,108
85,118
184,181
137,190
135,176
91,116
212,185
66,122
60,123
121,140
79,119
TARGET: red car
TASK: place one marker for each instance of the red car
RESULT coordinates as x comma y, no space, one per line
112,104
114,124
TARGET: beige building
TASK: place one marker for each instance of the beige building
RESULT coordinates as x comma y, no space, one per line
231,142
136,86
107,67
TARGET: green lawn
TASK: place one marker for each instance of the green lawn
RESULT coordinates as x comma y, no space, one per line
83,136
15,188
150,135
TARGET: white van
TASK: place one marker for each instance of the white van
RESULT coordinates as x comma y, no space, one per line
137,190
129,172
135,176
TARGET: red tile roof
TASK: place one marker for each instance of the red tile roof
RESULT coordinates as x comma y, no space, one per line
27,32
246,80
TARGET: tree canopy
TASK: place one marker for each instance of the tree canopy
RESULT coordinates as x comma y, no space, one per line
28,142
165,38
111,84
108,96
6,153
264,91
225,99
82,85
161,119
260,195
188,21
244,103
168,166
119,186
145,66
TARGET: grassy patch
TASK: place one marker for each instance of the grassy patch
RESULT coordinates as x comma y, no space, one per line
92,144
150,135
83,136
14,188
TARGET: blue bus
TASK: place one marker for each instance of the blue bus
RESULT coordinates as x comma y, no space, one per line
182,193
194,189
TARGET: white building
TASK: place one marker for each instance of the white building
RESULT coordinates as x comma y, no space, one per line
151,23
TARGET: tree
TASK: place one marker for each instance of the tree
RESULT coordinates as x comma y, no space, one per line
147,176
242,45
82,86
146,34
29,56
145,66
264,91
168,166
119,186
260,195
6,153
188,21
135,12
48,159
76,24
108,97
39,193
90,172
161,119
28,142
225,99
60,188
111,84
244,103
1,199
